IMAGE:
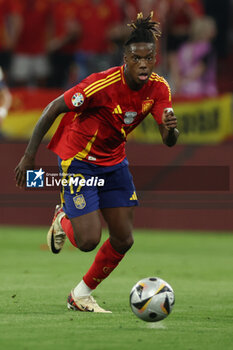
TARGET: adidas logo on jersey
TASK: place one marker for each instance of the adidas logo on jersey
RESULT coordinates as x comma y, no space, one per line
117,110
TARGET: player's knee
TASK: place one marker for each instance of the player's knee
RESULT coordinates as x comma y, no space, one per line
87,236
129,241
122,245
87,245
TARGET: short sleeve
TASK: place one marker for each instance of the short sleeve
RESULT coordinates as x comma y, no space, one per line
163,100
76,99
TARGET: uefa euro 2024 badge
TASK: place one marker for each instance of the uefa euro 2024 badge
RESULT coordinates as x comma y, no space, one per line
35,178
77,99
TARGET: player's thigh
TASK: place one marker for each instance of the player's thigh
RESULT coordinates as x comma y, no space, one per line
117,202
120,225
81,205
82,210
87,230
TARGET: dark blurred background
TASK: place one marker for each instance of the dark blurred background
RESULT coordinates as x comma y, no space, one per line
56,43
47,46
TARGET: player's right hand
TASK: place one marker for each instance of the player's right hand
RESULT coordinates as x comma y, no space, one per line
169,119
26,163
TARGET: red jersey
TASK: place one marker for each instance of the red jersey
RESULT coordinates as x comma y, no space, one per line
104,110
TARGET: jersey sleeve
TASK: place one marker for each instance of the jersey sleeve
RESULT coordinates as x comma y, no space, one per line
162,100
77,100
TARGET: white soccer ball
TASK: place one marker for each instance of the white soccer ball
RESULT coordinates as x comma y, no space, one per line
152,299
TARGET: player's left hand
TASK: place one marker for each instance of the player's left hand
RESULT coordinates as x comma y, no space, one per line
169,119
26,163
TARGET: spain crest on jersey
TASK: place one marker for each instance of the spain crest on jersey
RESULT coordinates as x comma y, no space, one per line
146,106
79,201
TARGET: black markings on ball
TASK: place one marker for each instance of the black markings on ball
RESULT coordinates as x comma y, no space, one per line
153,279
141,303
167,305
153,315
139,290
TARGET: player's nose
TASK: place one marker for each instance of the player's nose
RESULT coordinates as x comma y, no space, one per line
142,63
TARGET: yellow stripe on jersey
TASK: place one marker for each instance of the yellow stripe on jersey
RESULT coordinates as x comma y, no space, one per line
156,77
123,133
82,154
153,75
66,163
101,83
91,86
107,83
76,115
122,74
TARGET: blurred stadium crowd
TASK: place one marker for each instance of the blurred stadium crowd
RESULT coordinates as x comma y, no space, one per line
56,43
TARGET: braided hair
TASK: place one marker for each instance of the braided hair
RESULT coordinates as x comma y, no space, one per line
144,30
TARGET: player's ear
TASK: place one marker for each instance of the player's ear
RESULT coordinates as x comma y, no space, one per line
126,53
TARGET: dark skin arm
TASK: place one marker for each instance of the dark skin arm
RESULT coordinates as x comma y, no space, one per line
50,113
168,129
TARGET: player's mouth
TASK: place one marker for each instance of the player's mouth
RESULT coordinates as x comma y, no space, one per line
143,76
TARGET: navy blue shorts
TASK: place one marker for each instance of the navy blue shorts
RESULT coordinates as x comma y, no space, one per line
89,187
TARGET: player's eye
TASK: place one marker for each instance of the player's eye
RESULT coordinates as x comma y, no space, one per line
135,58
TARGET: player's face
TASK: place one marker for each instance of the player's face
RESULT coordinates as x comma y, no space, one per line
139,63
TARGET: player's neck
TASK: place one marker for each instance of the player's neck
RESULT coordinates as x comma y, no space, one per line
131,83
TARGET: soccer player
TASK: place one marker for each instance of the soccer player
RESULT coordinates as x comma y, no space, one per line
90,141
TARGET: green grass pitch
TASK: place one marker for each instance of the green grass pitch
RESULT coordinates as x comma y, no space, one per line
35,284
